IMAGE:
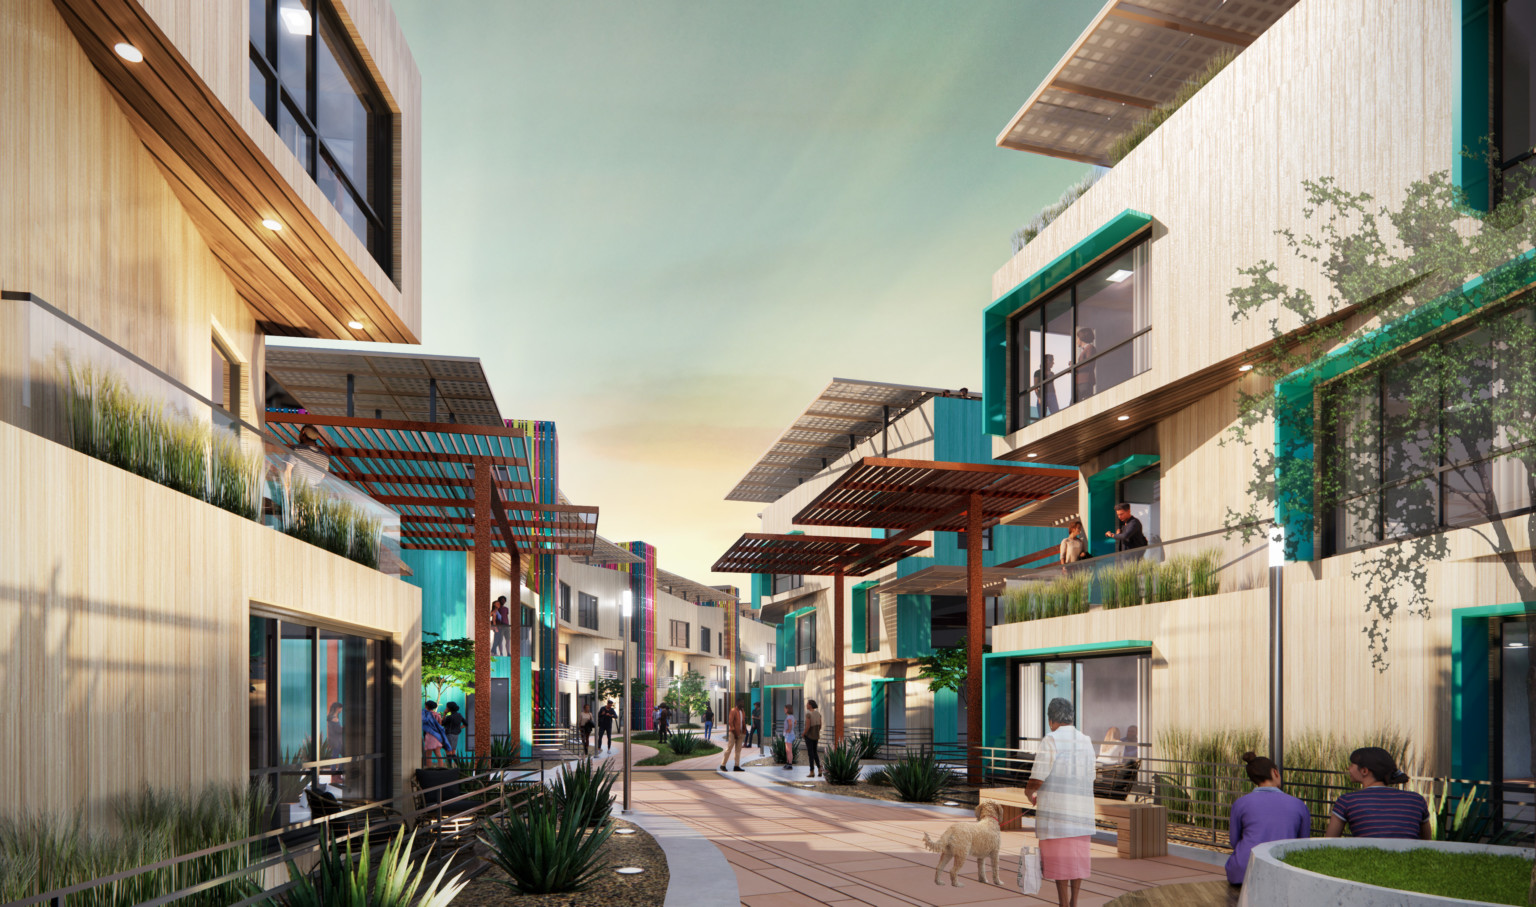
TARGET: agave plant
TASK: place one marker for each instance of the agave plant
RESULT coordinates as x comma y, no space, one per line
346,877
782,753
919,776
868,743
841,765
544,849
585,792
684,742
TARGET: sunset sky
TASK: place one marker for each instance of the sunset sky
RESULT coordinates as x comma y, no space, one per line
666,226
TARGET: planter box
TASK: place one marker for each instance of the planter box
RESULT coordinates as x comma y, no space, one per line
1272,883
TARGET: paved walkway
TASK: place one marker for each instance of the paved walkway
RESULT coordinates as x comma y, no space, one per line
790,848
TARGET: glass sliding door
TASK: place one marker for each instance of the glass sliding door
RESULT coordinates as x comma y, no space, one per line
1109,696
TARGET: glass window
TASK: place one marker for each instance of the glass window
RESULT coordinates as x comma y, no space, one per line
704,639
871,622
565,602
296,694
679,634
295,27
784,582
805,639
1087,337
259,88
586,610
294,133
1143,491
1517,88
343,95
262,657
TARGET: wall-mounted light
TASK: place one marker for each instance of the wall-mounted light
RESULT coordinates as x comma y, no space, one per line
128,52
1119,276
627,603
274,225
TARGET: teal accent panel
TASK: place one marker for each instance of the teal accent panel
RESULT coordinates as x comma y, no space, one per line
1100,517
914,625
443,578
946,716
1296,392
1471,100
995,319
1074,649
525,725
762,586
781,645
861,616
994,699
1470,683
877,709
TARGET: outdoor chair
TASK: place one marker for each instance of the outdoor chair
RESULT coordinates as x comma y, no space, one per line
325,805
440,811
1117,781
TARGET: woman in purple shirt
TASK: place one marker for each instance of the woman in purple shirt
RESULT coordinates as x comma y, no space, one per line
1264,814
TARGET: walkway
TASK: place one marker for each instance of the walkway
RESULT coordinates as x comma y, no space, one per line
790,849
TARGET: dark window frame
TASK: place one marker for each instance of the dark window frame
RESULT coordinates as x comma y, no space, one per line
704,638
685,635
872,621
565,602
586,611
805,639
786,582
379,209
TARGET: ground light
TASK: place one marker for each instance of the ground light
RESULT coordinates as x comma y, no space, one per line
629,870
624,831
129,52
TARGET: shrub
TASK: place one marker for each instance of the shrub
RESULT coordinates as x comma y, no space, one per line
585,792
868,743
1169,581
919,777
544,849
841,765
325,521
1203,578
684,742
1067,595
345,875
1202,793
1122,583
780,755
1154,118
878,776
1039,222
1313,759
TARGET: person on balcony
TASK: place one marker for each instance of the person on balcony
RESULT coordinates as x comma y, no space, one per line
1086,350
501,623
1377,810
1264,814
1061,788
1129,535
1044,376
1075,546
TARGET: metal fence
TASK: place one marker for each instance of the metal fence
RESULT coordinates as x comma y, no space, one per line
445,825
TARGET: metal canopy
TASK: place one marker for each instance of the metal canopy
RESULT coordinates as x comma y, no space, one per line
813,555
604,552
1133,57
425,471
922,495
947,579
395,386
690,590
841,416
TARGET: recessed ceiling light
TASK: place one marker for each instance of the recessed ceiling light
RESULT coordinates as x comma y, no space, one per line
1245,368
1515,645
128,52
1032,455
296,21
1121,418
355,325
1119,275
273,225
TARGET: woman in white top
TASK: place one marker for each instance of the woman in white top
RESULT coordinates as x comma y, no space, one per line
1061,787
1075,546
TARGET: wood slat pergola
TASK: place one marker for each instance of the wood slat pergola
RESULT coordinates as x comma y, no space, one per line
818,555
457,488
916,496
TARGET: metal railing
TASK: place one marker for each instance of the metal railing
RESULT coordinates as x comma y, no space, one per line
1199,795
450,825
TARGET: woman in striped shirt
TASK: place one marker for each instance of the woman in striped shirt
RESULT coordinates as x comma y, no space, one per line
1377,810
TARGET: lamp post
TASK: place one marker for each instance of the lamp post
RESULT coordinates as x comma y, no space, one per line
762,705
626,610
597,662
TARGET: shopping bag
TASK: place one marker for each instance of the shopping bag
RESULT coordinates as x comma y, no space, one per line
1029,870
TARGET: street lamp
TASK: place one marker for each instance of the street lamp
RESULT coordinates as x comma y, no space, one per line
597,662
626,611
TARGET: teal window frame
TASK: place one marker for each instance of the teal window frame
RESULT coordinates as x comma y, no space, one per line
860,635
1122,228
1102,494
1472,101
1470,718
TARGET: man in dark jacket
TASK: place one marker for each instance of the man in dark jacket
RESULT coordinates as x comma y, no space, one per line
606,716
1130,535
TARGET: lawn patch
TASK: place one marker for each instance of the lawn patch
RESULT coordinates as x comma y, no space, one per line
1473,876
665,756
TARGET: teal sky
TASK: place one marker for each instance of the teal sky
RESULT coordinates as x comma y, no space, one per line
666,226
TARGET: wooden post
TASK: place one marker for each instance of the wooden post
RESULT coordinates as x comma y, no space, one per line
482,615
515,676
975,637
837,658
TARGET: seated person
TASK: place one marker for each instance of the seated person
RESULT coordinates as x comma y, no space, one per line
1111,746
1264,814
1377,810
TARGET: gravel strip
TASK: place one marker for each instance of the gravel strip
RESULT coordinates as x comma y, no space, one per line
648,889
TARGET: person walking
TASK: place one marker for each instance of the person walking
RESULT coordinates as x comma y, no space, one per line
434,740
709,722
1264,814
789,738
606,716
663,722
1129,535
586,726
453,725
1061,788
812,736
735,736
1075,546
1377,810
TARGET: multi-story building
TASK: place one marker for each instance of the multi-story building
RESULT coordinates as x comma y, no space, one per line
182,181
896,615
1110,347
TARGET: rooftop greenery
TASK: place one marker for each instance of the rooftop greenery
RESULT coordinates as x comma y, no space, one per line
1155,117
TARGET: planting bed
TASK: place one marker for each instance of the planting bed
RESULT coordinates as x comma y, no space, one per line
648,889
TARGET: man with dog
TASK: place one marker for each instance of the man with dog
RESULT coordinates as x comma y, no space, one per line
1061,787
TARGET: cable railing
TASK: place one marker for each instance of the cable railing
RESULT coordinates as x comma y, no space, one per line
445,819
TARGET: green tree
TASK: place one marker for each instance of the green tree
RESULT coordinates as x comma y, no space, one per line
946,668
688,692
1429,422
613,688
447,664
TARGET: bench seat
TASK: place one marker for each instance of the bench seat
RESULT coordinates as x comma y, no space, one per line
1141,829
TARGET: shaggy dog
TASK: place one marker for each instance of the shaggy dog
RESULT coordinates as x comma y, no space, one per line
980,839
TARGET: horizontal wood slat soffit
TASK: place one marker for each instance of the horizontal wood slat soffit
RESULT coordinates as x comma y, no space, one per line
922,495
813,555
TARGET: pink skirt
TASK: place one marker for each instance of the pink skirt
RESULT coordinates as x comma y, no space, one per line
1065,858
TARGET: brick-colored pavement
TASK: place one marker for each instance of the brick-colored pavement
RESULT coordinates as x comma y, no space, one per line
790,849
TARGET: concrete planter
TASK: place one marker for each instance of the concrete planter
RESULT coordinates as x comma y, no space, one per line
1272,883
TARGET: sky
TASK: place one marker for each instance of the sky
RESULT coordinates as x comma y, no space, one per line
666,226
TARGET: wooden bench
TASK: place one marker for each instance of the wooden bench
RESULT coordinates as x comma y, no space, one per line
1141,829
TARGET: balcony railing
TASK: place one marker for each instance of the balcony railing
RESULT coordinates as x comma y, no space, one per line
64,381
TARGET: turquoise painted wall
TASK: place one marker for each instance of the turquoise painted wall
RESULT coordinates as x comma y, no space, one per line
946,716
443,578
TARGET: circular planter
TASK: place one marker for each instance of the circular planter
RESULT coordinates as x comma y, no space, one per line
1272,883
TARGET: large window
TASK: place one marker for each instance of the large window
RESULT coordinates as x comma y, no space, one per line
1083,339
1515,68
565,602
586,610
704,639
308,82
679,634
871,622
319,713
805,639
1432,439
784,582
